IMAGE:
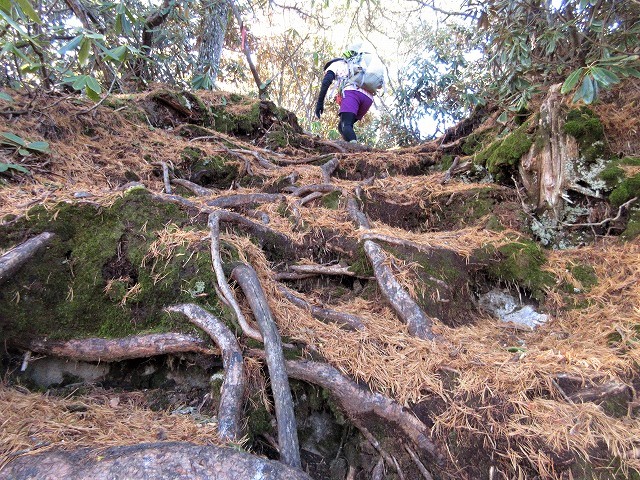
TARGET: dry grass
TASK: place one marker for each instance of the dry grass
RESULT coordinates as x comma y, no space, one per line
32,423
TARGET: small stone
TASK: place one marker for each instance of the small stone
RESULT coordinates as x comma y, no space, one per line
82,195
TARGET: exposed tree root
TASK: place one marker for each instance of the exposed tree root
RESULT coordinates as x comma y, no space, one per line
321,187
117,349
358,402
245,199
287,432
600,392
328,169
418,322
324,270
347,320
11,261
150,461
223,286
193,187
232,390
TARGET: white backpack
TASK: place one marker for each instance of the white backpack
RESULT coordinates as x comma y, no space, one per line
366,71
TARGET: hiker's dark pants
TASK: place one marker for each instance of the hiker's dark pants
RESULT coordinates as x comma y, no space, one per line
345,127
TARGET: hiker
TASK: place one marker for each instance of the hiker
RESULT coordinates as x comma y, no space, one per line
358,75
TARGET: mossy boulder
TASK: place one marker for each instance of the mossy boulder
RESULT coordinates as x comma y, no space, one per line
96,278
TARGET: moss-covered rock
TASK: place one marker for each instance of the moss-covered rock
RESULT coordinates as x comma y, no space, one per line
96,278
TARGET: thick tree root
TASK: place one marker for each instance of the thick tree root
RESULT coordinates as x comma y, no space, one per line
245,199
287,433
350,322
418,322
358,402
223,286
232,390
193,187
11,261
118,349
150,461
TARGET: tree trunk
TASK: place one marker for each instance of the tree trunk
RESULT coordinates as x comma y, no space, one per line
545,170
213,28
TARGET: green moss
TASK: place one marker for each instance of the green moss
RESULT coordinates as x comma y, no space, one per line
585,274
625,191
92,280
446,162
612,174
584,125
521,264
332,200
630,161
633,226
362,266
474,142
508,154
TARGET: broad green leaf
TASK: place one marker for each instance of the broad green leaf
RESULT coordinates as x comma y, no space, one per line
12,22
13,139
604,77
6,97
92,94
503,117
117,53
13,166
71,45
29,11
571,81
39,146
95,36
118,23
93,84
587,90
23,152
85,48
80,82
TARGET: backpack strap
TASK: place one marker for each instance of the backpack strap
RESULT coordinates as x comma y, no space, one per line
326,65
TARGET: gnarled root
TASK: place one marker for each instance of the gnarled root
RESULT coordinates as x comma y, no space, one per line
118,349
11,261
287,434
149,461
232,390
357,402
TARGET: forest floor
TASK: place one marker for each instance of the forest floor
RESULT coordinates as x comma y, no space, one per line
384,265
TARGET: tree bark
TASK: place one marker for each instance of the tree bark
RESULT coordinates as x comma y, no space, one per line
118,349
232,390
287,433
149,461
15,258
213,29
545,171
358,402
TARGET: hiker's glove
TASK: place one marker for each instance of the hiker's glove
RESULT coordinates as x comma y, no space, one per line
319,109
